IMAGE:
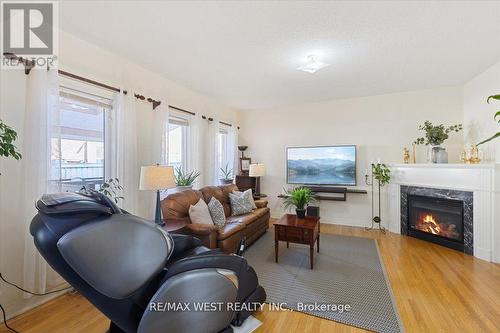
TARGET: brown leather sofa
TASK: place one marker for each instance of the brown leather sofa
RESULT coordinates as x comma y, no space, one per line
175,208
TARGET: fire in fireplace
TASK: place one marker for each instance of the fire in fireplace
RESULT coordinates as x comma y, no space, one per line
437,220
429,223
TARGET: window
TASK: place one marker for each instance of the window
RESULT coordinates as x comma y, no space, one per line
177,139
77,141
223,139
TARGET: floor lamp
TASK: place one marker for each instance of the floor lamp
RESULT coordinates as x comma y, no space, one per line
156,178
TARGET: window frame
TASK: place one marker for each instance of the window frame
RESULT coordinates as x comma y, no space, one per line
104,99
182,121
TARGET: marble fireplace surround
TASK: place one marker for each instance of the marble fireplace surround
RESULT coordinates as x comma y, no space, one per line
465,196
478,180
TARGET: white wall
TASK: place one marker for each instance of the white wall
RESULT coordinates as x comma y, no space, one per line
479,125
478,115
85,59
380,126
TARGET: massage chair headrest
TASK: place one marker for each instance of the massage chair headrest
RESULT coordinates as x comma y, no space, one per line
115,253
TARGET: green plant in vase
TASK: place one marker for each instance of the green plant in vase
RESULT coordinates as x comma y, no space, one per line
497,115
298,197
435,136
185,179
227,174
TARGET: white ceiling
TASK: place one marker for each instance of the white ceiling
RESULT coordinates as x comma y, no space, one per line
245,54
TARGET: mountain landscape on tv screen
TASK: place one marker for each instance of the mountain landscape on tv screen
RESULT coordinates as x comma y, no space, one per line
323,171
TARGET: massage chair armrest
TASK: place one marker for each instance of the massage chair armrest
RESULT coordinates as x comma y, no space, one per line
261,203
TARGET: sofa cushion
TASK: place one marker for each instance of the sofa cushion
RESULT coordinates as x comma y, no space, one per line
248,218
176,205
259,212
229,229
217,212
241,203
243,219
199,213
248,195
218,193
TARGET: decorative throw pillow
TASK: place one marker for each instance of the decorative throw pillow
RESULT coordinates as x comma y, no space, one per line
199,213
241,203
249,196
217,212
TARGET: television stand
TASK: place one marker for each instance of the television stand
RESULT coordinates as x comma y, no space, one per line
330,193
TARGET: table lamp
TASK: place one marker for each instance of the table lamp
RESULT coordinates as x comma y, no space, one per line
156,178
257,170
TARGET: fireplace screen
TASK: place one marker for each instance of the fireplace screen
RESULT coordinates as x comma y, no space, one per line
438,217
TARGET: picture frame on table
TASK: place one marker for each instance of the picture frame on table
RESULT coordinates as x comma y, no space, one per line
245,164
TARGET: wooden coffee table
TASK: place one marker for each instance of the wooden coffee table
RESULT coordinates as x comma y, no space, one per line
291,229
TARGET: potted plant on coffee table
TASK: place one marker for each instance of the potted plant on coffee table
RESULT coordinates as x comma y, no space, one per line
298,197
227,175
184,180
435,135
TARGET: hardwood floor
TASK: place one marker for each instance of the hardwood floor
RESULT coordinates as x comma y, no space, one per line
436,290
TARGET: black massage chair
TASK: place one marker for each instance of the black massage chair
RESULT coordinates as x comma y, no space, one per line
138,275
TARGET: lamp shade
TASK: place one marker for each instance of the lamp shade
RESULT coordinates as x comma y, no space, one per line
257,170
157,177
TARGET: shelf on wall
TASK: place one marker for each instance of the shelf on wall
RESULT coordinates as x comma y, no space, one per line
330,193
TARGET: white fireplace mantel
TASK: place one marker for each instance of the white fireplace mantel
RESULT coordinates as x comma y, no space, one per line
477,178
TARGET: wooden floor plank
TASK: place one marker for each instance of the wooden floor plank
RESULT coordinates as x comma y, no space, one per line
436,290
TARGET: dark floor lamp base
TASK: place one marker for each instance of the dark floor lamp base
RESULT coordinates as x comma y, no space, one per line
158,219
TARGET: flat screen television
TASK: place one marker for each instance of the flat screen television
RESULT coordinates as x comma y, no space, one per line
322,165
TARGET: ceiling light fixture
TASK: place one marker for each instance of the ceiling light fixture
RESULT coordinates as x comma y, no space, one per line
312,65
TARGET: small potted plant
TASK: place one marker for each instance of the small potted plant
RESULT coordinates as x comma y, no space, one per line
435,135
299,198
227,175
185,180
110,188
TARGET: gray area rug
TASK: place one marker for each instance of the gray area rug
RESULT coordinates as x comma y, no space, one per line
347,271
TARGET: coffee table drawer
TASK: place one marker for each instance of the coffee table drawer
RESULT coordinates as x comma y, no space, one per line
289,234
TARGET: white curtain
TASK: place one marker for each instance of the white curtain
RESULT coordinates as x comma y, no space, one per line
151,147
232,147
41,120
197,138
213,153
121,149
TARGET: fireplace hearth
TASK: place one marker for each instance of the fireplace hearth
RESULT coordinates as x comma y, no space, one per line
440,216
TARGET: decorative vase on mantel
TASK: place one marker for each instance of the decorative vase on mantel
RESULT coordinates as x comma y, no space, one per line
437,154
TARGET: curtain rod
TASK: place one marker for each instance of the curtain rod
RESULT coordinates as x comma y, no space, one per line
182,110
220,122
81,78
28,65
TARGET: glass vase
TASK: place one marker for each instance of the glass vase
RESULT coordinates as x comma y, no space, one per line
437,154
